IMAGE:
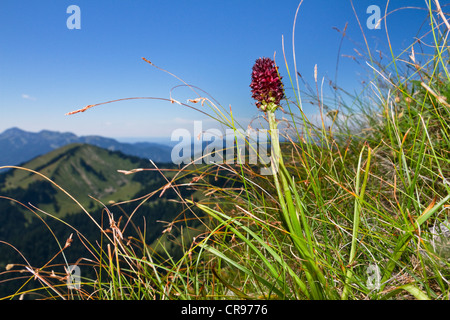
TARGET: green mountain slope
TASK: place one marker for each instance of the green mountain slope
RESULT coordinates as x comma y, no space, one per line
81,170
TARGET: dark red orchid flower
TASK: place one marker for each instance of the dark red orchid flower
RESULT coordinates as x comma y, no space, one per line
266,83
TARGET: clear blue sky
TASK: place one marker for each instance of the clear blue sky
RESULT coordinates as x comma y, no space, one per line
47,70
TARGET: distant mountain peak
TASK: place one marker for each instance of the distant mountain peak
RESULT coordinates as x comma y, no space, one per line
13,130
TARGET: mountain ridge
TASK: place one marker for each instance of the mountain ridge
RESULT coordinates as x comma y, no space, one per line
82,169
22,146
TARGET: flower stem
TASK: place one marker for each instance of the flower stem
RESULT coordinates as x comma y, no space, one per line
290,210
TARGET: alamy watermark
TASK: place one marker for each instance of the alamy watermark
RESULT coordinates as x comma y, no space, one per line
373,277
212,146
74,20
74,277
374,20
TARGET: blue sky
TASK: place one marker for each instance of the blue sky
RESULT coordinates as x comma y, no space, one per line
47,70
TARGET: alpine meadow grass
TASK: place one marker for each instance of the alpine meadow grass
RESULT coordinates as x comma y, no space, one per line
356,206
